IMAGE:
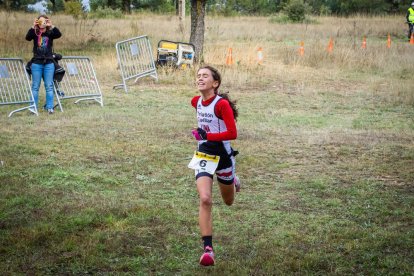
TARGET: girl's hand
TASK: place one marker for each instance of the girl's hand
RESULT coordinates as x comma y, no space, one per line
35,23
199,134
49,23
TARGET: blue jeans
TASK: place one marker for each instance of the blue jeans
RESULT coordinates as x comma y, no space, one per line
45,71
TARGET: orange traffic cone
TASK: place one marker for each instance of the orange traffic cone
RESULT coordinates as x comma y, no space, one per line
302,49
412,39
364,43
260,55
389,41
229,58
330,45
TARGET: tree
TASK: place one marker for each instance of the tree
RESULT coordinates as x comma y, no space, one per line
198,12
14,4
55,5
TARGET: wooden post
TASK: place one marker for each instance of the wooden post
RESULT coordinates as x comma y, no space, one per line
181,10
181,14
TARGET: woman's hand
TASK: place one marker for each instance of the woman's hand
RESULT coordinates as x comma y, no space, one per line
35,23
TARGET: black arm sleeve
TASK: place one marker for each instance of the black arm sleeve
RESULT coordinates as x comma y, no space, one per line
30,34
56,33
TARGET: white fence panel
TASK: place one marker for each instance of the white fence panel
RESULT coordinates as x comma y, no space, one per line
80,81
135,60
15,87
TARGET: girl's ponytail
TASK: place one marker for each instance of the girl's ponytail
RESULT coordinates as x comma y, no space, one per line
231,102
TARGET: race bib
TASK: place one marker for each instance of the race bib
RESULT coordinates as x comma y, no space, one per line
204,162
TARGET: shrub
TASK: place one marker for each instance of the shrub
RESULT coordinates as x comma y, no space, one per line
325,10
280,18
295,10
164,6
73,8
106,13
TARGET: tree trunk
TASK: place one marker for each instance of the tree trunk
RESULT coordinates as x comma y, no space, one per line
177,8
126,6
53,5
112,4
198,11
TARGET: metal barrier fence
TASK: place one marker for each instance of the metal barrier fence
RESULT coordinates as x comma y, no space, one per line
135,60
15,87
79,81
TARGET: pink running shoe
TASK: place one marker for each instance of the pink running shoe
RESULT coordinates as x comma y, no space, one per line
207,258
237,183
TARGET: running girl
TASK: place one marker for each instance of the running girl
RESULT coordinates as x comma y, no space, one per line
216,115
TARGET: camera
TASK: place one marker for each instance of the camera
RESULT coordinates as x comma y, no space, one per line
42,22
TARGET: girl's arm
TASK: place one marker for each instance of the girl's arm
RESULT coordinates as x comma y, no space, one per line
224,111
194,101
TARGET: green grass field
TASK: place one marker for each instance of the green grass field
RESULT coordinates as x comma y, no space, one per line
326,161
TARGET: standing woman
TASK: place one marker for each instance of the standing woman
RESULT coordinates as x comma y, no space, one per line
216,115
43,33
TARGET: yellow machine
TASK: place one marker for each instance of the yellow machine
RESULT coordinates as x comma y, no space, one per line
176,54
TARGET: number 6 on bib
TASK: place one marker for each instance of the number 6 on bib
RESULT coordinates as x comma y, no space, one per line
204,162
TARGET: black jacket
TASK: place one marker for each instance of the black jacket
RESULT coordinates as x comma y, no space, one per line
43,53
